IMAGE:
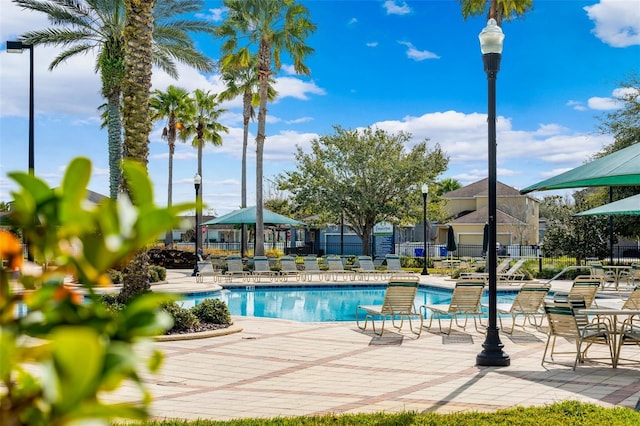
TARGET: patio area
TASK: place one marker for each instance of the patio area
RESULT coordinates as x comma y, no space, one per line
283,368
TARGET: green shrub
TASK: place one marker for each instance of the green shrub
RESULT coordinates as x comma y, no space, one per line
161,270
112,302
115,276
153,275
183,319
213,311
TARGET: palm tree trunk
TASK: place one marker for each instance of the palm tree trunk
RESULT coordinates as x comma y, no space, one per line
168,240
137,121
245,139
264,70
114,130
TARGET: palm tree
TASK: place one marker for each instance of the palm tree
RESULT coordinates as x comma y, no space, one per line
169,105
497,9
201,124
98,25
273,27
244,81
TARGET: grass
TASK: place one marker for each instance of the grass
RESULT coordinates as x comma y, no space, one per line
566,413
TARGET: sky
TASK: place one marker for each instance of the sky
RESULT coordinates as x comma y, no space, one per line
412,66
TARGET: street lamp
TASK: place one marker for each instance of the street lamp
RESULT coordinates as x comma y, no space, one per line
425,194
197,180
18,47
491,39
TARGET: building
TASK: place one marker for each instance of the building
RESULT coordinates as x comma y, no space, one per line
467,207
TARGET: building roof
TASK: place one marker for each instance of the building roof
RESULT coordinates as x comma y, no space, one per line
480,216
481,189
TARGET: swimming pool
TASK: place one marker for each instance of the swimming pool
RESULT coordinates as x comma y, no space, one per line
317,304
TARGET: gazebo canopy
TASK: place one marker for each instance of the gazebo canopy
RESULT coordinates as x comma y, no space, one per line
620,168
247,216
626,206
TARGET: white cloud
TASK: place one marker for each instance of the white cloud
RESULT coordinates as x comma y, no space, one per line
352,21
418,55
214,15
288,69
372,44
296,88
299,120
396,8
576,105
617,22
602,104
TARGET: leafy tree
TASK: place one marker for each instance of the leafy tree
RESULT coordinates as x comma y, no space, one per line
566,234
169,105
243,81
272,27
366,174
497,9
98,25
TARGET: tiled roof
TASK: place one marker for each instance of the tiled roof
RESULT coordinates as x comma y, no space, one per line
480,189
481,215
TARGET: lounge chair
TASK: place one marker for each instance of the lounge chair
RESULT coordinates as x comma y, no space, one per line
398,302
631,276
584,286
528,304
513,273
288,268
336,270
393,265
312,269
367,269
598,271
500,269
465,300
262,268
235,268
204,268
563,323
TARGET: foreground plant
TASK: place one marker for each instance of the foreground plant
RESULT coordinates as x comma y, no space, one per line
61,358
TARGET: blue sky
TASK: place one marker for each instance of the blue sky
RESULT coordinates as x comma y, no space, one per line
399,65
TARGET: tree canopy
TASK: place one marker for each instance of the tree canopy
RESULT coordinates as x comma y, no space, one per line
368,175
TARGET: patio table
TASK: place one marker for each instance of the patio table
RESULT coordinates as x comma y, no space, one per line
614,330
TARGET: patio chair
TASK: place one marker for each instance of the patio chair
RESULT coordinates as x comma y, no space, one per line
262,268
563,323
528,304
398,302
336,270
584,286
629,335
312,269
367,269
598,271
513,273
235,268
465,300
288,268
631,276
204,268
501,268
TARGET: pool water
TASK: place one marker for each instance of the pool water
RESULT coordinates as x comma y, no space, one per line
317,304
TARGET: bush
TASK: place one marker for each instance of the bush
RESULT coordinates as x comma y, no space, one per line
161,271
112,302
213,311
183,319
153,275
115,276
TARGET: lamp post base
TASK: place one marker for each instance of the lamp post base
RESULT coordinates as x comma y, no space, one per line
492,354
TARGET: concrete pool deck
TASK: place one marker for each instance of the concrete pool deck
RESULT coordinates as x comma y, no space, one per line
285,368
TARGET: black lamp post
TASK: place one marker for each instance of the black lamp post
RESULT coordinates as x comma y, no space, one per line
18,47
197,180
491,39
425,194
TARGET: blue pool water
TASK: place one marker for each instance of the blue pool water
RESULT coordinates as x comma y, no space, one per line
317,304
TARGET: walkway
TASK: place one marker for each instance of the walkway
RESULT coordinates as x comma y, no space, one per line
283,368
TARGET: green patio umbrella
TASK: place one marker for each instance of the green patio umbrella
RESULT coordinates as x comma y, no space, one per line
247,215
621,168
626,206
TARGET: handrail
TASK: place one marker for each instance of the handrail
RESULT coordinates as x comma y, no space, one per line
568,268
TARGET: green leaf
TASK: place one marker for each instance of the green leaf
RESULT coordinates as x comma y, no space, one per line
78,355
